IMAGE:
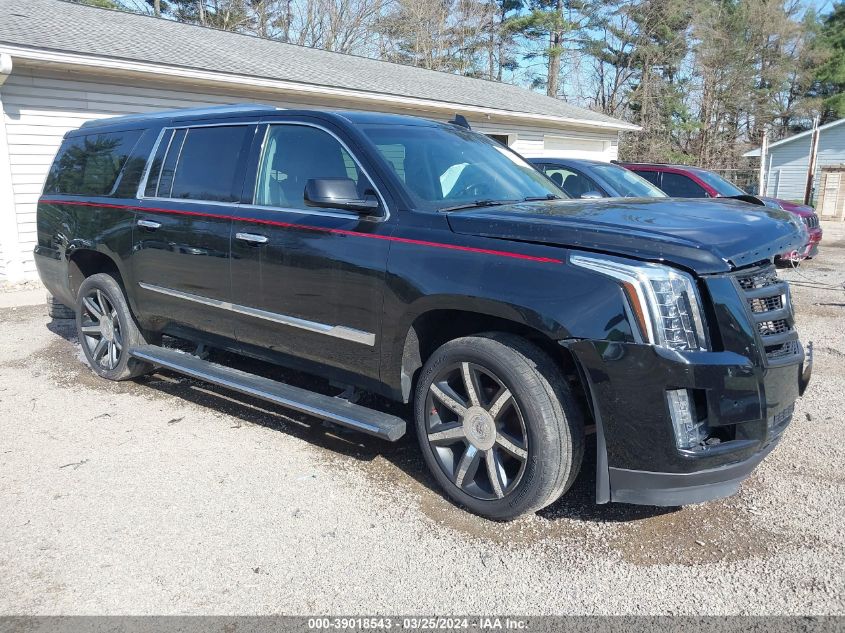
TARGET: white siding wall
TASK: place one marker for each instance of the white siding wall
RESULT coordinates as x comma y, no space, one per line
40,105
788,163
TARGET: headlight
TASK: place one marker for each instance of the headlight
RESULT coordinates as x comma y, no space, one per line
665,301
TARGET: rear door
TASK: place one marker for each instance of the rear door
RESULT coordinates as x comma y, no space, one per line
308,282
181,238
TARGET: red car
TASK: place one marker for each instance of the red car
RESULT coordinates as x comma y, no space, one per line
682,181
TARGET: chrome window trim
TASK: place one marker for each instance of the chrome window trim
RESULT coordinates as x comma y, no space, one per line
190,201
150,160
175,165
349,215
345,215
335,214
337,331
172,128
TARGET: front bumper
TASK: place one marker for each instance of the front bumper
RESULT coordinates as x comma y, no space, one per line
639,462
676,489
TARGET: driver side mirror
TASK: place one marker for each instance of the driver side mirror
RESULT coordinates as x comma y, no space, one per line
591,195
337,193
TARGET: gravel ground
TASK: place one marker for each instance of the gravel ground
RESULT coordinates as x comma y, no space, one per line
165,496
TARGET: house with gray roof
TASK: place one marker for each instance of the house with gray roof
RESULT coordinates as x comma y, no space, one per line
62,64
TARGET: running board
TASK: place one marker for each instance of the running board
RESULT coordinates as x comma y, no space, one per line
337,410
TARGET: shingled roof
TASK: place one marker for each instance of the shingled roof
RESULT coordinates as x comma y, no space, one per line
64,27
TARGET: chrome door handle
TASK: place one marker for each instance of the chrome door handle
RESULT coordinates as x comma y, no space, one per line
252,238
149,224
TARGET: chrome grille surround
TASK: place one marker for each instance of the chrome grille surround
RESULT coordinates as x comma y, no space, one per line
812,221
769,306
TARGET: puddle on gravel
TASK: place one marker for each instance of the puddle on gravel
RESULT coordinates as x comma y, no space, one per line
719,531
710,533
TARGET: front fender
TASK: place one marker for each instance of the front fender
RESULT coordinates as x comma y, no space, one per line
557,301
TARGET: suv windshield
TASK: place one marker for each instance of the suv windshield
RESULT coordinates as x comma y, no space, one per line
723,187
447,166
627,183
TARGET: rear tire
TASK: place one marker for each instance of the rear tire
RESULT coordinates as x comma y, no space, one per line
106,329
511,444
58,310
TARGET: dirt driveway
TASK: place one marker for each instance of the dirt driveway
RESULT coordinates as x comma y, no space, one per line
166,496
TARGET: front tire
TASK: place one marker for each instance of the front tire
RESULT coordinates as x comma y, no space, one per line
107,330
497,425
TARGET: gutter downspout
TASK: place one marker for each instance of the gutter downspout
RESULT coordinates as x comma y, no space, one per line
9,245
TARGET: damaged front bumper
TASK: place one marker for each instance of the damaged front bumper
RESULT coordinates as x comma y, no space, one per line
746,407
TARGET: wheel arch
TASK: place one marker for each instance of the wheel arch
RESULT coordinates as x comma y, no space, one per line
432,328
83,262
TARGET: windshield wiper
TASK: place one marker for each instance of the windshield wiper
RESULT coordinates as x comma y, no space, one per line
478,203
548,196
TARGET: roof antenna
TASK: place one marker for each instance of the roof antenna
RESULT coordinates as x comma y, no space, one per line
461,121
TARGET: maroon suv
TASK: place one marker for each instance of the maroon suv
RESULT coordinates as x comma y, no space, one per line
682,181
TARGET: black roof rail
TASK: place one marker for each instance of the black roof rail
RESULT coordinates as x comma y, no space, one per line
236,108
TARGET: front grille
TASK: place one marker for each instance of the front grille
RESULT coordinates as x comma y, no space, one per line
784,350
760,278
812,221
770,309
766,304
767,328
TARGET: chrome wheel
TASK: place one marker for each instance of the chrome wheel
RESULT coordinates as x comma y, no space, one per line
476,431
100,330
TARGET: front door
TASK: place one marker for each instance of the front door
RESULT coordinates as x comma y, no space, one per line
309,282
180,257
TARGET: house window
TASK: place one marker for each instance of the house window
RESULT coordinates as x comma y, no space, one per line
504,139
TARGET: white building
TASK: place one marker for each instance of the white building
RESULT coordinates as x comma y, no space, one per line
62,64
787,160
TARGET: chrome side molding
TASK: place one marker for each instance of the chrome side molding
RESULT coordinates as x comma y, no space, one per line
337,331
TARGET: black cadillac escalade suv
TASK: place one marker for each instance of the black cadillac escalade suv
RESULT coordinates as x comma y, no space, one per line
426,263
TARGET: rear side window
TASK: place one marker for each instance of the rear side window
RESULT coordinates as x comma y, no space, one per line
90,165
202,163
652,176
573,183
679,186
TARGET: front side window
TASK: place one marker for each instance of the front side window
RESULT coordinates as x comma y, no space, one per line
294,154
89,165
445,166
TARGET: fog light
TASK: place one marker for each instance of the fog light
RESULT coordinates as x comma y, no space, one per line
689,431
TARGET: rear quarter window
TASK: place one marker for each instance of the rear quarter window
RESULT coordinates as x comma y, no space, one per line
89,165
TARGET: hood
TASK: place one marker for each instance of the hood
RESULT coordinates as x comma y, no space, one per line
793,207
705,236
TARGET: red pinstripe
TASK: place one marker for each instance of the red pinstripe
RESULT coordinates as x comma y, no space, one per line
305,227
